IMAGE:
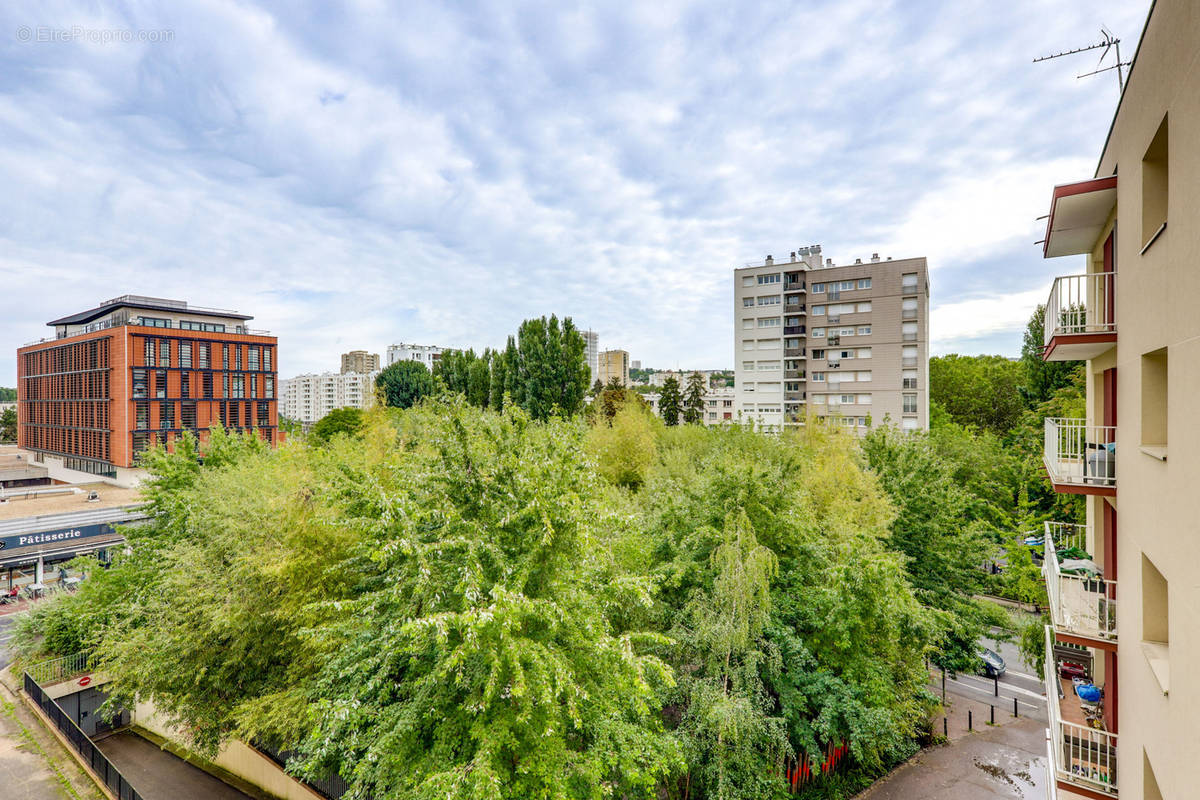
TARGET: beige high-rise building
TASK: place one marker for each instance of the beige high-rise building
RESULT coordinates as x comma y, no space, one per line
848,342
360,361
613,364
1130,313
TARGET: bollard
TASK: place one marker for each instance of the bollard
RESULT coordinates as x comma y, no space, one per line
996,680
1015,714
943,686
969,725
993,715
945,728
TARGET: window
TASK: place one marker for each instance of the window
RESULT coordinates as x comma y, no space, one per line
768,322
818,332
253,359
141,442
726,404
766,279
748,280
768,365
908,283
846,286
237,356
910,404
819,377
1154,399
908,424
818,288
187,414
239,388
747,302
267,358
748,387
908,331
793,344
908,308
769,300
204,355
748,366
166,415
1156,627
768,344
818,309
160,383
748,344
185,384
185,355
863,376
818,353
908,356
847,399
155,322
910,378
139,383
164,353
264,418
864,283
149,352
747,323
142,412
864,330
845,354
846,332
863,308
1154,186
864,399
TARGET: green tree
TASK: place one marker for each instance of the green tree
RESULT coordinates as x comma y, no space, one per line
670,402
8,395
979,391
693,399
341,421
497,380
1042,378
551,372
625,445
404,383
8,425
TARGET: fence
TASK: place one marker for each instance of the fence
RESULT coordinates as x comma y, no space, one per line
60,669
91,755
332,787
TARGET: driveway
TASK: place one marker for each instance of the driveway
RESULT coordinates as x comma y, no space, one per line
160,775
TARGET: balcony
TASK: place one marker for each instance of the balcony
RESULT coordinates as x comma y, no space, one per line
1081,320
794,352
1082,602
1081,458
1083,755
793,330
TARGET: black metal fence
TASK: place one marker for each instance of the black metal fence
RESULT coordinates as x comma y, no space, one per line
92,756
332,787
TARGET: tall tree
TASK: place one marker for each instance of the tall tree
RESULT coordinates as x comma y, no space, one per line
498,376
1042,378
514,385
340,421
693,399
551,367
8,425
404,383
670,401
979,391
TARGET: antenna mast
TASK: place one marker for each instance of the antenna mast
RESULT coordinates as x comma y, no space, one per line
1109,42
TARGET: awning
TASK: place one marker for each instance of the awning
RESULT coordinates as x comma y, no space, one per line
1078,212
21,556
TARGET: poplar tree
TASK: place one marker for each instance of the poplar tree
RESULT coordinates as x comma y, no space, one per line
670,401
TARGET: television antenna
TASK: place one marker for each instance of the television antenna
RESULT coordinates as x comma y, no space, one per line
1109,42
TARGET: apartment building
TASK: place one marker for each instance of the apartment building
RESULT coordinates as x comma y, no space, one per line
360,361
591,341
135,371
845,342
306,398
1130,314
718,404
613,364
427,354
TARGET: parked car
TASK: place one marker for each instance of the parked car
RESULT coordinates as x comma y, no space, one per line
993,664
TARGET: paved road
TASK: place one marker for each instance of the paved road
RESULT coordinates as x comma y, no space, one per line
6,623
159,775
1019,682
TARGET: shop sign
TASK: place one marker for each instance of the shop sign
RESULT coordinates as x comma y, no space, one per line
55,537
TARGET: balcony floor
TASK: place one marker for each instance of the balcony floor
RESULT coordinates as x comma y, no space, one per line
1078,346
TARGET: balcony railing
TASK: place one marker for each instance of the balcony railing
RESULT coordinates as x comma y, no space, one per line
1081,455
1083,604
1080,755
1081,304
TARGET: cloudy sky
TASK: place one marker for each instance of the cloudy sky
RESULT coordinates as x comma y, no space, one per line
436,172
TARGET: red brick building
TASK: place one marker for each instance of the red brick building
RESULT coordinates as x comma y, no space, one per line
136,371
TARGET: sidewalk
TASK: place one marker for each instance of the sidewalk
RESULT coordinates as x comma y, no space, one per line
33,764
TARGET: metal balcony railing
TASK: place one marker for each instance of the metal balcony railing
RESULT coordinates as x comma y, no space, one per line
1080,755
1082,604
1081,304
1080,454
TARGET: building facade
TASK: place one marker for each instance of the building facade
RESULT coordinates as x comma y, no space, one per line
718,405
591,341
613,364
427,354
849,342
360,361
136,371
1129,315
307,398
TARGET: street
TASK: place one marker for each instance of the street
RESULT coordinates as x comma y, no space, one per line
1019,682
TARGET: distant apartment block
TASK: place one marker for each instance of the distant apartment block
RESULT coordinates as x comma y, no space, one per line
307,398
846,342
635,364
135,371
591,341
613,364
718,404
360,361
426,354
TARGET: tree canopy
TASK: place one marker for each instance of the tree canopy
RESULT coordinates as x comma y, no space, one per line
670,401
404,383
8,425
340,421
693,399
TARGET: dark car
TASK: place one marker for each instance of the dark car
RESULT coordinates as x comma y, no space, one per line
993,664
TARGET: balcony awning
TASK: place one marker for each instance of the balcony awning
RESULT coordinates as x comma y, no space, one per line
1078,212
